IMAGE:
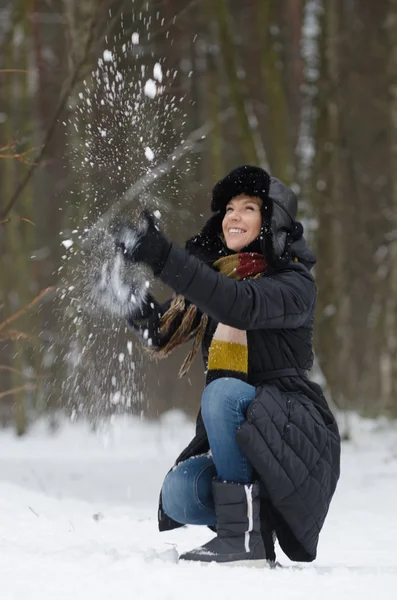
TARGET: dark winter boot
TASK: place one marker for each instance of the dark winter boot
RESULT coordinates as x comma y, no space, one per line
238,539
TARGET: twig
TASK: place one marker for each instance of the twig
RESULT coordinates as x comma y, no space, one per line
27,375
61,105
33,511
8,146
18,155
3,221
15,70
21,388
25,309
27,221
13,334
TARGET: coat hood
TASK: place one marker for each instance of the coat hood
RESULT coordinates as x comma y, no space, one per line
286,237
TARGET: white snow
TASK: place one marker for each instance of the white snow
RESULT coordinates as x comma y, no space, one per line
150,88
78,520
158,72
67,244
107,56
135,38
149,153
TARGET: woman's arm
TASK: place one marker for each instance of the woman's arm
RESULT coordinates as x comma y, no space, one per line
284,299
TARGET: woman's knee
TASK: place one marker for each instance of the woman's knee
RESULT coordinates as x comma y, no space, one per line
186,493
172,493
223,395
214,400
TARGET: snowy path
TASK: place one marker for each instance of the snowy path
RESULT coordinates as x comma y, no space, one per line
78,521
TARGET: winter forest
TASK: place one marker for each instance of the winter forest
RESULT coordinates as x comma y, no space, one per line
108,107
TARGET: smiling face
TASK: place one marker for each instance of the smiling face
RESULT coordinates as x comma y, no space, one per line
242,222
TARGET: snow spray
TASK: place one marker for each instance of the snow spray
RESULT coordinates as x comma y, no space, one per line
119,150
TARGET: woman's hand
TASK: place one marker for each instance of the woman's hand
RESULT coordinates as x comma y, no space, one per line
145,244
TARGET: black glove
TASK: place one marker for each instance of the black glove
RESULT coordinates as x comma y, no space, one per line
149,246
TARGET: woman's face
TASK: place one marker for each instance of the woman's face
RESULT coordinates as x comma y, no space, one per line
242,222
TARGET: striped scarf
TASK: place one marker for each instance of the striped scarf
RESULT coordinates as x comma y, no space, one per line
228,352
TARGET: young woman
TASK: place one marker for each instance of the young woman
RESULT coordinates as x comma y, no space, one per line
265,458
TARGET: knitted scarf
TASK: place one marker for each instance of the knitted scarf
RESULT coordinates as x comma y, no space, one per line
228,352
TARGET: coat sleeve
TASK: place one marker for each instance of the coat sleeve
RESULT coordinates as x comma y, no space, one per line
283,299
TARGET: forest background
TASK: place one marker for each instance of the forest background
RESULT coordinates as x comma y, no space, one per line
118,101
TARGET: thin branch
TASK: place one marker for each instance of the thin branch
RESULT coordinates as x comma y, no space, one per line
8,146
27,221
27,375
3,221
26,308
15,70
20,156
21,388
13,335
61,105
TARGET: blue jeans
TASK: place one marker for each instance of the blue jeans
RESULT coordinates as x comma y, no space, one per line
187,489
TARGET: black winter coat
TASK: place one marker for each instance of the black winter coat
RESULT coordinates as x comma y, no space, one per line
290,435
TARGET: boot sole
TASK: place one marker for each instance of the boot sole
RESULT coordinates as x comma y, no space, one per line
253,564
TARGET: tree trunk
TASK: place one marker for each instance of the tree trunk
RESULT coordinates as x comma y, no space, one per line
389,359
231,67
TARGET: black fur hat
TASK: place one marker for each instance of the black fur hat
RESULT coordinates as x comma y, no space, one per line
247,179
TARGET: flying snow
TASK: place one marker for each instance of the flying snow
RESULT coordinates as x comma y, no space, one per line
150,88
107,56
158,72
149,153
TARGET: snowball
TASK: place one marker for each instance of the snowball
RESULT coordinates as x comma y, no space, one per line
67,244
107,56
115,399
150,88
149,153
157,72
135,38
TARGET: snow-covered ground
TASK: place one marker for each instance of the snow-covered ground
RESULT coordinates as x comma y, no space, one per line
78,521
